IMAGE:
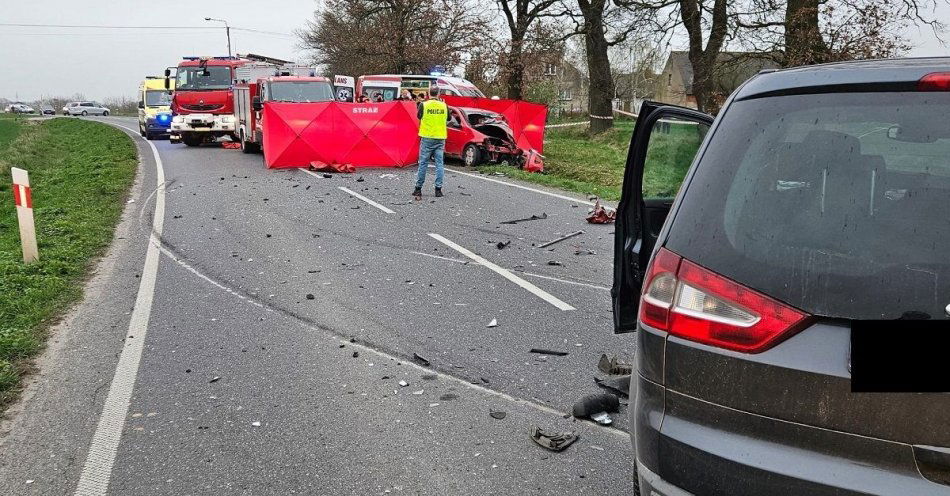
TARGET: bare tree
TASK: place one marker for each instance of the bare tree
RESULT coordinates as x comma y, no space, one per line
800,32
393,36
603,24
521,16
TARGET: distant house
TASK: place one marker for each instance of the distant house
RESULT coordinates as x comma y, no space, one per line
572,87
631,88
675,83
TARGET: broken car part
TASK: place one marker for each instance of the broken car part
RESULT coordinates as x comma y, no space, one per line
562,238
551,440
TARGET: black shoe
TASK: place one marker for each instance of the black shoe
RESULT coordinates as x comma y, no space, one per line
417,193
438,193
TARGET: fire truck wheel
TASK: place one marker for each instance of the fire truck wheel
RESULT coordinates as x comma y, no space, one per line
472,155
191,139
246,146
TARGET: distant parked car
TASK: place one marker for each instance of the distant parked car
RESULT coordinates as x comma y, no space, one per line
21,108
47,110
88,108
67,107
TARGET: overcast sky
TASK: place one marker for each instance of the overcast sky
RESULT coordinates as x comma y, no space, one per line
99,63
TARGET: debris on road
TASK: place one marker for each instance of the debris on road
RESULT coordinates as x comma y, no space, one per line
420,359
341,168
214,379
497,414
256,424
419,392
230,145
448,397
543,216
542,351
503,245
584,252
613,366
616,385
310,296
327,175
388,176
403,383
360,179
493,323
600,215
356,354
562,238
554,262
551,440
596,407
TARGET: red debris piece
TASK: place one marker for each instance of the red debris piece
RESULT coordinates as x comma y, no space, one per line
601,215
230,145
341,168
533,162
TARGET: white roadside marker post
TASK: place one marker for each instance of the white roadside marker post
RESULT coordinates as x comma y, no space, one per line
24,214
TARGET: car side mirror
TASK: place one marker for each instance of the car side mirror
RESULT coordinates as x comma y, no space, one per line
141,105
257,104
168,72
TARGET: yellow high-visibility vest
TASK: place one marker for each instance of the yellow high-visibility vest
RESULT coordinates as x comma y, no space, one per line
434,114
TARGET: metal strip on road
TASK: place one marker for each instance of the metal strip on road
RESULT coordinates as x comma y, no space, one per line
365,199
540,293
97,469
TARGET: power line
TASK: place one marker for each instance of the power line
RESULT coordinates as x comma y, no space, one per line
100,26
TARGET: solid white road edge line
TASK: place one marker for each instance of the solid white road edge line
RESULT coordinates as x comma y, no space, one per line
529,274
513,185
365,199
97,469
540,293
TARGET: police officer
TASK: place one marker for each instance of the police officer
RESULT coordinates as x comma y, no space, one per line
433,115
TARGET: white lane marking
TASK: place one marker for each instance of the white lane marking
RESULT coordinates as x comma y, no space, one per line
513,185
530,274
365,199
540,293
97,469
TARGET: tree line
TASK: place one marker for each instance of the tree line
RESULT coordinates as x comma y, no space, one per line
505,45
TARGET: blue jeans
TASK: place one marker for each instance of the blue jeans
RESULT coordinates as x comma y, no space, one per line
434,149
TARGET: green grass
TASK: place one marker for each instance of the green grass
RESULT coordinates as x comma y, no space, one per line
80,173
575,161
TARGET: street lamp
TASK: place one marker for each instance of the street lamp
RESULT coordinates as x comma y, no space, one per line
227,29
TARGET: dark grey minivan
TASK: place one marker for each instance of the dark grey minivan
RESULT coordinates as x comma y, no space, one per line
819,196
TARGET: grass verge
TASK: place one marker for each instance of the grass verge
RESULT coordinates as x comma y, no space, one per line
575,161
80,174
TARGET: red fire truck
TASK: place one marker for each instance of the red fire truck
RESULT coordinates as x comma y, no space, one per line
283,84
202,107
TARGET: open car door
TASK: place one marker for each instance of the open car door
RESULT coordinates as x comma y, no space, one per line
665,141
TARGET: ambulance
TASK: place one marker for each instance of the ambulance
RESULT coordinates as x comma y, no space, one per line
386,87
155,115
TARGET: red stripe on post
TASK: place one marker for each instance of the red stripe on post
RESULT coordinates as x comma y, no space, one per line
29,196
16,194
24,198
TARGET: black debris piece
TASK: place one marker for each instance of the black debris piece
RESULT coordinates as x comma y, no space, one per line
308,187
268,235
360,179
448,397
553,440
615,385
420,359
502,245
592,404
176,216
327,175
497,414
585,252
543,216
542,351
554,262
310,296
562,238
356,354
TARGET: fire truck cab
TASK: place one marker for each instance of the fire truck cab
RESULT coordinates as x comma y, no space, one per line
202,105
296,84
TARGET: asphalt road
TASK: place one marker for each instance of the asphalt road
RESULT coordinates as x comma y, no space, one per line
285,313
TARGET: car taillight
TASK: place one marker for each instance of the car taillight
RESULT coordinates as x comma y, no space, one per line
935,81
695,303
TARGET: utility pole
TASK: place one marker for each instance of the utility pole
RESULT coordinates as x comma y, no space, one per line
227,30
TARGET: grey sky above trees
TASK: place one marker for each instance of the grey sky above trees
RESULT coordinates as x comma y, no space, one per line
100,63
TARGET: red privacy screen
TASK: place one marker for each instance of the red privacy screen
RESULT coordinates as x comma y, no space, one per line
330,133
525,118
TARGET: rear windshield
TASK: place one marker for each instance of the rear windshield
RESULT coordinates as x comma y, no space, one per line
301,91
838,204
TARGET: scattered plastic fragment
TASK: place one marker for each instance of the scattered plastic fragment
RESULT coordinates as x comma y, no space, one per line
552,440
497,414
543,216
231,145
597,405
403,383
502,245
562,238
493,323
601,215
360,179
256,424
613,366
602,418
419,392
555,263
542,351
420,359
616,385
310,296
215,379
